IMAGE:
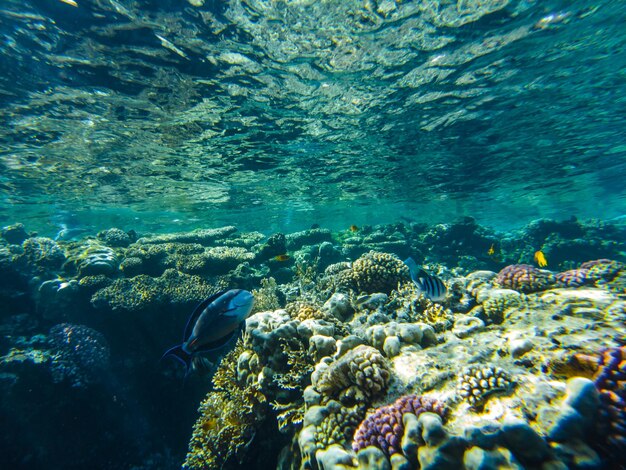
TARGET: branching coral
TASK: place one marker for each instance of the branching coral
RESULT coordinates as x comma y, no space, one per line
229,418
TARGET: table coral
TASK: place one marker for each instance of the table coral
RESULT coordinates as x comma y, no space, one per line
385,427
524,278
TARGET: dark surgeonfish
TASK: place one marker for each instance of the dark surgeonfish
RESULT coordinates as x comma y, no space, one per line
214,325
429,285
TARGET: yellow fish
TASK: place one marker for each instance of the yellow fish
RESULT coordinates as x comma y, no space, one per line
491,250
354,228
540,259
284,257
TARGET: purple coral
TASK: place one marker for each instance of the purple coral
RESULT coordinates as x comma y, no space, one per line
573,278
610,380
602,269
384,428
525,278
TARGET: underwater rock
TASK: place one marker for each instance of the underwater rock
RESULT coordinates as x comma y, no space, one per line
466,325
205,237
14,234
313,236
417,334
276,245
338,305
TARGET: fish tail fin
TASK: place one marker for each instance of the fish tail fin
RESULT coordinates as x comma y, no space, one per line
178,353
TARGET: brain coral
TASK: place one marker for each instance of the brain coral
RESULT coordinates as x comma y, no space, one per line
602,269
384,428
573,278
525,278
359,375
374,272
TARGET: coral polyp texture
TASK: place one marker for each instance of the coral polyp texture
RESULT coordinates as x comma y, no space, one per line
384,428
610,380
477,383
602,269
573,278
374,272
525,278
360,374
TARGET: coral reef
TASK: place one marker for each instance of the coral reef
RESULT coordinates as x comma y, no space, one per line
573,278
229,418
374,272
385,427
79,354
477,383
358,376
524,278
525,360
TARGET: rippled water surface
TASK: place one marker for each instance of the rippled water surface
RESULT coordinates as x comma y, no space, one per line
280,114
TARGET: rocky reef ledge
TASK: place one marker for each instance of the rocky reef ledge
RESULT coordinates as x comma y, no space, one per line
344,362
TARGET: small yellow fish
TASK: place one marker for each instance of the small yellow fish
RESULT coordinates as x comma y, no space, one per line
70,2
491,250
354,228
540,259
283,257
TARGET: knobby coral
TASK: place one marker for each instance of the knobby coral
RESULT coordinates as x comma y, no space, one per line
374,272
384,428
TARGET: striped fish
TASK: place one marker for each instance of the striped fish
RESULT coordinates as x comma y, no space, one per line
427,284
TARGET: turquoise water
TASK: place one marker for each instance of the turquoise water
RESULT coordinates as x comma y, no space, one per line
280,114
159,152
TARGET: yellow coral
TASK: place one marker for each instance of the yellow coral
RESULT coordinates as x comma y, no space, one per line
229,417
